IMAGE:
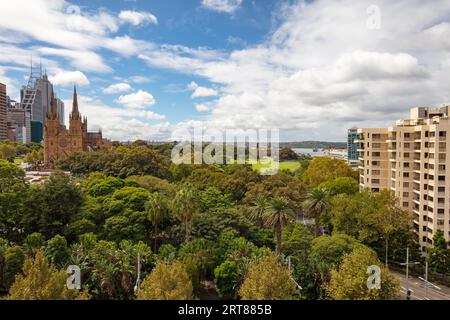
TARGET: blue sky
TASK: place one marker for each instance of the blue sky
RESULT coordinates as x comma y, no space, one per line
311,68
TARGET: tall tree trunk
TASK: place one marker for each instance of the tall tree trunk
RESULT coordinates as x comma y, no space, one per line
156,238
278,245
317,224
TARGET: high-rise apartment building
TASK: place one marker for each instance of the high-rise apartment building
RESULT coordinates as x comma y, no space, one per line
352,148
3,124
412,159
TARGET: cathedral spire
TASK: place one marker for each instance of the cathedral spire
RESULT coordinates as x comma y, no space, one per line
53,113
75,115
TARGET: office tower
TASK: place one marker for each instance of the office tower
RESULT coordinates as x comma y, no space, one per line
352,148
19,123
35,98
3,124
416,154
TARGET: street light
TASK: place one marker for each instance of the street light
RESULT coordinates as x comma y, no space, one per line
408,291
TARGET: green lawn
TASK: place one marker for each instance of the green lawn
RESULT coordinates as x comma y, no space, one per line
285,165
18,160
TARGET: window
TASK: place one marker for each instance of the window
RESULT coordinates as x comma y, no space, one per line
441,178
442,133
405,175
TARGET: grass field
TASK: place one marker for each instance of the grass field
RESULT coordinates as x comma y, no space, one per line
285,165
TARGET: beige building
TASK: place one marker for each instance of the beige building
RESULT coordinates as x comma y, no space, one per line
412,160
3,125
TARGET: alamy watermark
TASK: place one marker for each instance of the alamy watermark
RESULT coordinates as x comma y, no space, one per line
200,145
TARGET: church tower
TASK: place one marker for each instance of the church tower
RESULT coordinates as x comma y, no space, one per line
76,126
51,133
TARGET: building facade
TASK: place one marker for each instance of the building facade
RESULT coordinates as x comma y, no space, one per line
19,123
352,148
3,115
412,159
35,98
60,142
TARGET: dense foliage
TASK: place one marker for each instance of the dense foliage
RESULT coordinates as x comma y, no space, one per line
141,227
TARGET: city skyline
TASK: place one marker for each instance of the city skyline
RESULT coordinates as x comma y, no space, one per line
144,69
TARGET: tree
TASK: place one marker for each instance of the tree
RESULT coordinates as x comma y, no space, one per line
439,255
226,278
35,158
327,251
347,185
374,219
316,203
297,241
349,281
157,212
258,209
42,281
287,154
185,204
57,251
267,280
277,215
50,207
7,151
168,281
34,242
322,169
14,259
13,190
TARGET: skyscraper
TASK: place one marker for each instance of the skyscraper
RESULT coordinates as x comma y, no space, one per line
352,148
412,159
3,124
35,98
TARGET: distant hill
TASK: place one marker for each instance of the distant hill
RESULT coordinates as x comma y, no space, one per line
313,145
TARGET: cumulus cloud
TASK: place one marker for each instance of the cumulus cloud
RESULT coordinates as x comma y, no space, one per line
137,100
323,70
118,88
227,6
137,17
202,107
201,92
69,78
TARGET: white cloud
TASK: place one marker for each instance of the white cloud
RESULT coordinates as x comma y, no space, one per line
200,92
228,6
69,78
141,79
137,17
118,88
137,100
323,69
202,107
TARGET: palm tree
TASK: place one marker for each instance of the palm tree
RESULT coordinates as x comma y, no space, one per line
257,210
278,214
157,212
185,205
316,203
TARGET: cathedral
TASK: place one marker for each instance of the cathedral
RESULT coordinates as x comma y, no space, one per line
60,142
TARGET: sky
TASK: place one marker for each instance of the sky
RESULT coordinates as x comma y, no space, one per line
313,69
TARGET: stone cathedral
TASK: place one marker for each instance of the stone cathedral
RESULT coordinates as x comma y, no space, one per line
60,142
